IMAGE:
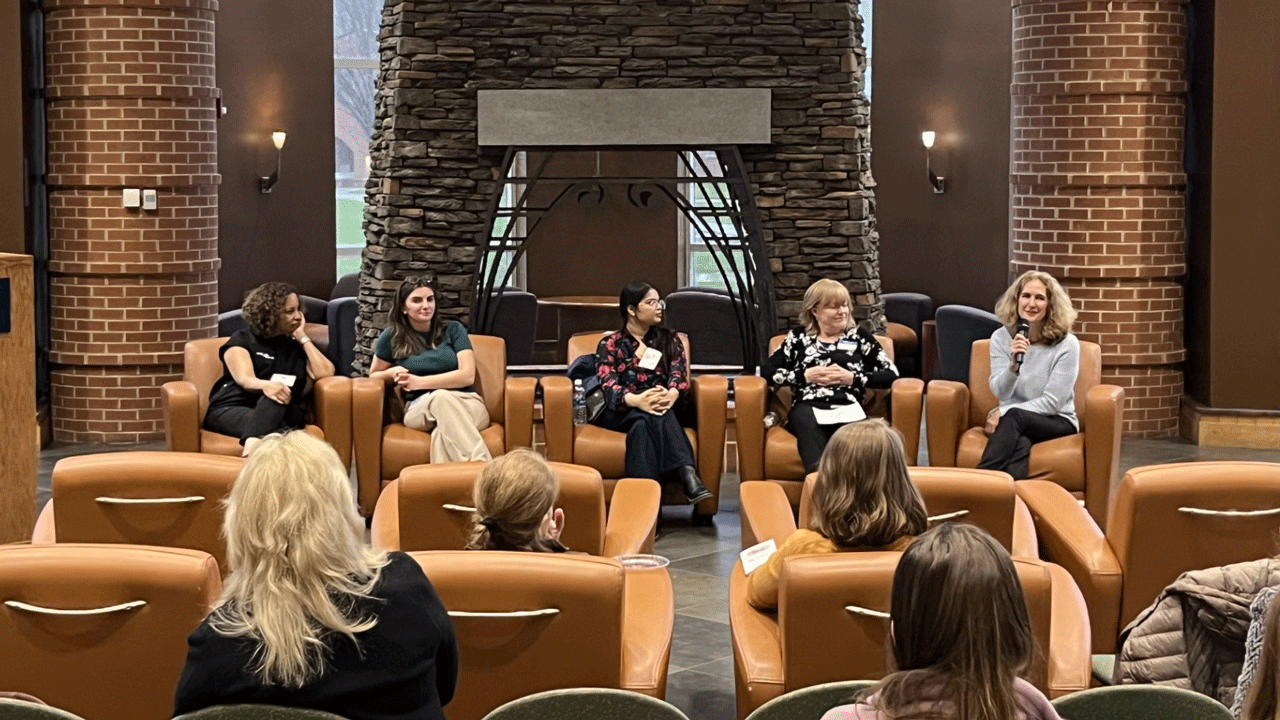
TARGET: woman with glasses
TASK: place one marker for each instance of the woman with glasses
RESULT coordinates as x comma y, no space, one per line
644,373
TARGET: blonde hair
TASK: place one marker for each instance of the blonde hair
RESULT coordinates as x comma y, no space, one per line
295,546
864,495
512,497
1059,315
821,294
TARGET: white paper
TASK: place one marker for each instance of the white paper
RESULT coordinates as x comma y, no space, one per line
649,360
284,379
839,415
756,555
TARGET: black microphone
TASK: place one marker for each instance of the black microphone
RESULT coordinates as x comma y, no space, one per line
1023,328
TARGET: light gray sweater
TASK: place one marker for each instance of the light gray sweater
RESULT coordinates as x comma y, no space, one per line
1047,382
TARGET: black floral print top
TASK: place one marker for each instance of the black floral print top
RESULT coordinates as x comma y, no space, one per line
618,368
857,351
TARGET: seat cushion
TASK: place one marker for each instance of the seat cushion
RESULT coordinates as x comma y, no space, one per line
606,450
782,455
403,447
1060,461
218,444
905,340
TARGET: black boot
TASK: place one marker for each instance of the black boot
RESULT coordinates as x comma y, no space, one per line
694,490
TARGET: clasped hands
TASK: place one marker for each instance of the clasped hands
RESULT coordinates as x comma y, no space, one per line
655,400
406,380
828,375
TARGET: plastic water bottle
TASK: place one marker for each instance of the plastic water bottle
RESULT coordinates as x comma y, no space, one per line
579,403
772,419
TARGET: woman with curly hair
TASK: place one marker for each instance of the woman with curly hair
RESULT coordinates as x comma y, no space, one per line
268,369
1034,363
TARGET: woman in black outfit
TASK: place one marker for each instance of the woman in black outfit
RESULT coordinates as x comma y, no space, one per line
310,615
644,372
268,369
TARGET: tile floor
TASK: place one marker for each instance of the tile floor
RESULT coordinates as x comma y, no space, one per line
701,672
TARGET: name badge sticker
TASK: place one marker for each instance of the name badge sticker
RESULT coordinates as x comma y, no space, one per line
649,360
284,379
847,346
756,555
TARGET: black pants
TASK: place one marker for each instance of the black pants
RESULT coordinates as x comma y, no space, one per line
656,444
263,418
1009,448
810,436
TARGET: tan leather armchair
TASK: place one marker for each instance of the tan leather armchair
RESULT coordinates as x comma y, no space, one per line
772,454
832,623
529,622
1166,520
429,507
122,659
1086,463
605,450
140,498
384,449
186,401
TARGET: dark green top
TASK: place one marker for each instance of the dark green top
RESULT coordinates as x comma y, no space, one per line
442,358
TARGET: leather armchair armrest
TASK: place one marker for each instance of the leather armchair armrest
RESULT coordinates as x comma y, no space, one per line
757,648
1069,655
947,406
333,414
384,532
45,531
517,410
557,417
711,401
766,513
750,393
648,619
1069,537
181,404
1103,421
1024,540
906,402
366,435
633,517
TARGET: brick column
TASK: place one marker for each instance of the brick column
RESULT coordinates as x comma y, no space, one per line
131,103
1097,182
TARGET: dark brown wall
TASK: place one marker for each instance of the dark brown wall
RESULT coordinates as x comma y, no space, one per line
1237,339
12,239
275,69
942,66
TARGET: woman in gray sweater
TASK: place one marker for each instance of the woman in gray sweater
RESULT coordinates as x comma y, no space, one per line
1034,363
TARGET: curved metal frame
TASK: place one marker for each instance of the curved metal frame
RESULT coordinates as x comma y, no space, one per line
727,221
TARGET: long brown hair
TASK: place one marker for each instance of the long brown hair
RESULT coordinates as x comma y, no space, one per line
1059,314
405,341
864,494
960,627
512,496
1261,704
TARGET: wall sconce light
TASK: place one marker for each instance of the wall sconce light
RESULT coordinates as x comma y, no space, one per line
938,182
269,181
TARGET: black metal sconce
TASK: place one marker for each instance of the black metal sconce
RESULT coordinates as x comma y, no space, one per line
938,182
269,181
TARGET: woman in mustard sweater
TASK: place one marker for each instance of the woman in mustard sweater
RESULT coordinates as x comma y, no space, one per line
863,500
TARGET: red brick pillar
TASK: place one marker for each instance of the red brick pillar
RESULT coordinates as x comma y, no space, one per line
1097,182
131,103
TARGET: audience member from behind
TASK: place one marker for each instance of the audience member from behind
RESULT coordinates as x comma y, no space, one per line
960,636
1258,693
310,616
863,499
515,499
430,359
268,369
1036,393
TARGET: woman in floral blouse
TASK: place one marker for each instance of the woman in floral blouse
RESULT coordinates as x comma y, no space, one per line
829,364
644,372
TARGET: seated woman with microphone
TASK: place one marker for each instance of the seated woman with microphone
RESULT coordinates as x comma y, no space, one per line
1034,363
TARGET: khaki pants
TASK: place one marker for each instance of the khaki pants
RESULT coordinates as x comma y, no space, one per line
454,420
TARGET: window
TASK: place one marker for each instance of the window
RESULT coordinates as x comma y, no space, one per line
511,193
700,269
355,70
864,10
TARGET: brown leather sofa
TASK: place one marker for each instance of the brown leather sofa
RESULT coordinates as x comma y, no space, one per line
832,622
529,622
119,661
605,450
185,402
430,508
1086,463
982,498
383,449
772,454
140,498
1166,520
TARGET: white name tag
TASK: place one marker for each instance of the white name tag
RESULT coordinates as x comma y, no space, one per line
839,415
649,360
283,379
847,346
756,555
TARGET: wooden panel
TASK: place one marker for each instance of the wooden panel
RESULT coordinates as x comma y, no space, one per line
19,435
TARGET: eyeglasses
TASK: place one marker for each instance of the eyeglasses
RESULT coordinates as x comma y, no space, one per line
660,304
